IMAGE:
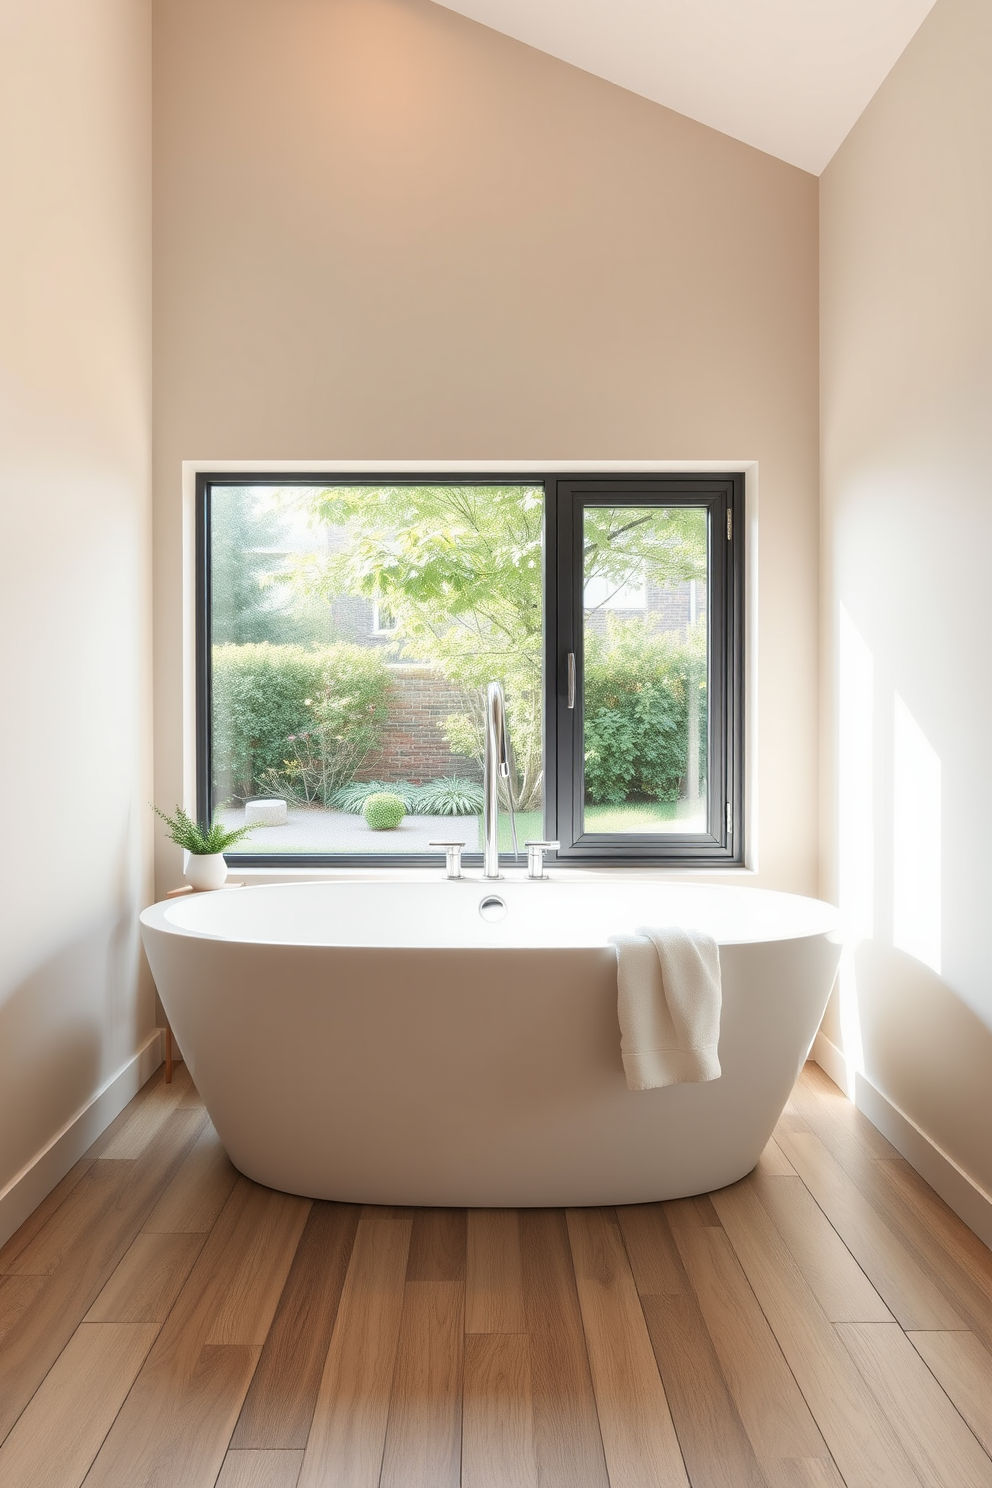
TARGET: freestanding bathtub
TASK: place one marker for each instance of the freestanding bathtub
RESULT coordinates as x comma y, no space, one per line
397,1042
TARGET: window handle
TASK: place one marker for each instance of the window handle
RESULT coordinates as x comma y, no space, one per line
571,679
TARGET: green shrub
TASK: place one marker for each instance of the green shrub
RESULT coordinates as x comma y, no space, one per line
292,721
637,690
449,796
383,811
352,797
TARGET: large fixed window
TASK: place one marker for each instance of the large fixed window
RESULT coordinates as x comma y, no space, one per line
347,628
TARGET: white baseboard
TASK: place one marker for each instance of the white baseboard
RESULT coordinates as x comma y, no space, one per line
37,1178
962,1194
831,1060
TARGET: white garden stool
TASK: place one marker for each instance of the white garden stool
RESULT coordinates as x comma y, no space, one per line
266,813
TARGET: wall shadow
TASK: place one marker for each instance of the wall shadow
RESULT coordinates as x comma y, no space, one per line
53,1044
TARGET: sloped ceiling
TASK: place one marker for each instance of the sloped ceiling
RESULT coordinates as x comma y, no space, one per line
788,76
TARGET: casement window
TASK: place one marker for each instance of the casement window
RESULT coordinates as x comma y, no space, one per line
347,627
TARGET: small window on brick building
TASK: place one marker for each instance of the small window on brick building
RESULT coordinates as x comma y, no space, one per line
384,622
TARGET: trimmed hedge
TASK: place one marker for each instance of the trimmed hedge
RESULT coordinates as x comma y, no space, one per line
383,811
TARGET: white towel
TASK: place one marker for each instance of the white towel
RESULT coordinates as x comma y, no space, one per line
668,1002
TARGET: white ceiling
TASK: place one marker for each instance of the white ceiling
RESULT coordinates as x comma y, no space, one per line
788,76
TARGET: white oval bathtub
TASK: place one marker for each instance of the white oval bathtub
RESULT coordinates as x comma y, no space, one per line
382,1042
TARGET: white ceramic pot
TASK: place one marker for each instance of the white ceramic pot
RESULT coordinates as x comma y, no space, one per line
206,870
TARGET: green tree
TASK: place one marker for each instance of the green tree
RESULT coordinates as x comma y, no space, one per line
460,568
252,597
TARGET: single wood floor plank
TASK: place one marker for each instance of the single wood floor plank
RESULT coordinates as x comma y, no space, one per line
176,1424
802,1472
60,1432
147,1119
770,1404
46,1325
494,1296
963,1366
279,1406
39,1218
199,1191
715,1446
694,1212
924,1214
836,1118
651,1249
260,1469
831,1272
345,1446
790,1119
16,1295
862,1443
148,1280
78,1213
437,1245
773,1162
178,1431
943,1450
260,1271
909,1292
567,1439
423,1433
639,1439
498,1449
96,1149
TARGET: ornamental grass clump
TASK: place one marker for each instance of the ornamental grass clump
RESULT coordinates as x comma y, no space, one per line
352,797
200,841
449,796
383,811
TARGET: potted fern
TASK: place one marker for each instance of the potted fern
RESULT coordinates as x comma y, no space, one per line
206,868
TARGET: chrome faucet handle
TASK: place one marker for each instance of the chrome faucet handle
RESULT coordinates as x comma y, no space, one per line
535,857
452,857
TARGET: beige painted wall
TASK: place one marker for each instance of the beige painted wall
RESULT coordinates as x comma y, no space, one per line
383,231
906,245
75,406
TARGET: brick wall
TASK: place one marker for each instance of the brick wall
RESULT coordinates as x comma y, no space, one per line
413,746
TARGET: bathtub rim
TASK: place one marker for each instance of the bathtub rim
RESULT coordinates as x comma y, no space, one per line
162,915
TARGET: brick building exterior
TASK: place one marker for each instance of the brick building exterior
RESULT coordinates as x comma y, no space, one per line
413,745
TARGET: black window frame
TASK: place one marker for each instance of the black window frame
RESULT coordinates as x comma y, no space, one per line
566,496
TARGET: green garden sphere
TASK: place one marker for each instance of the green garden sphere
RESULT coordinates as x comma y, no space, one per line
383,811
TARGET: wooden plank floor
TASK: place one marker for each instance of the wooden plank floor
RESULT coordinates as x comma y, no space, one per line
825,1322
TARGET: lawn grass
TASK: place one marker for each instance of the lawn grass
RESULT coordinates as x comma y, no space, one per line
634,816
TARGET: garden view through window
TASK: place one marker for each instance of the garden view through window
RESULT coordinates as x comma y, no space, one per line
348,632
644,652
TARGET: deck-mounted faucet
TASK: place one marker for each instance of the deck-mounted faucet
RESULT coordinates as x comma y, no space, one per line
496,766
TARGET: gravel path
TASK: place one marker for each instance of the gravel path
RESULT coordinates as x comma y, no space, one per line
339,831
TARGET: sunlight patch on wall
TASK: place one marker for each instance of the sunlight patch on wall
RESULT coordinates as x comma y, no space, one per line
916,867
855,823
